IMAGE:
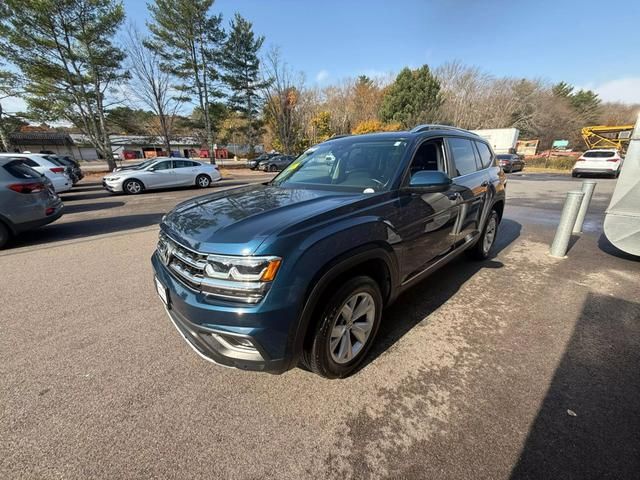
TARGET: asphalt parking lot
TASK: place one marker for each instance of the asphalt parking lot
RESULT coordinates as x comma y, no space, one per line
521,366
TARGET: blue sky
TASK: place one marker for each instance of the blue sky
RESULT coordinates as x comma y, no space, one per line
556,40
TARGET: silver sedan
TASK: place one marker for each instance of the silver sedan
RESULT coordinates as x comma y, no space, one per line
162,173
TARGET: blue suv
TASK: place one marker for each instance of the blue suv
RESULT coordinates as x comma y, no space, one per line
298,270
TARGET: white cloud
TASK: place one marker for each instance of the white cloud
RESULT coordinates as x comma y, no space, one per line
322,76
13,105
625,90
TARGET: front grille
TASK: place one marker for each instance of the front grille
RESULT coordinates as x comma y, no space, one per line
186,265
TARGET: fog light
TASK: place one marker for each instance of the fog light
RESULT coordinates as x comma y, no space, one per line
235,343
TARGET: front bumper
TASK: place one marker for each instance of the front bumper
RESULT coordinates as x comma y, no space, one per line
112,186
214,330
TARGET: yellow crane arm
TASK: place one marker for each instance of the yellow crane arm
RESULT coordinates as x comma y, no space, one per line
604,136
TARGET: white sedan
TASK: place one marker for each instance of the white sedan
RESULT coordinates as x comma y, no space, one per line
162,173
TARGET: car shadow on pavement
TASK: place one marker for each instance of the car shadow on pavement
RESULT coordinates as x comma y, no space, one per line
57,232
417,303
91,207
588,425
607,247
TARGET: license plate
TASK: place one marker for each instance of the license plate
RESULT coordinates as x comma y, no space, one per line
163,293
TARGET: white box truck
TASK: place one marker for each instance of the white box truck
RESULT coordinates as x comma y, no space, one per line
503,140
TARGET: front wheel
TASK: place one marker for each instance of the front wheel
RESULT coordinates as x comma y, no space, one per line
132,187
482,248
203,181
345,329
273,168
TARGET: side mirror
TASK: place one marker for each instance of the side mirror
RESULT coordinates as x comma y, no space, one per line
429,181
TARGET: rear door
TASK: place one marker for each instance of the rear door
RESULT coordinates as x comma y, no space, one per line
470,182
185,171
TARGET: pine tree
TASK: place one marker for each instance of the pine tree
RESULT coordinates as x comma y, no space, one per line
413,98
242,75
64,50
188,39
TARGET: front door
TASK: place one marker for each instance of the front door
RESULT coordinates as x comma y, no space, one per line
425,221
160,175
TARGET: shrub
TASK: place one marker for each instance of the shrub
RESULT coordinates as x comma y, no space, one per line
557,163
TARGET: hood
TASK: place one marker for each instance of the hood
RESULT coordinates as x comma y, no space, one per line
237,221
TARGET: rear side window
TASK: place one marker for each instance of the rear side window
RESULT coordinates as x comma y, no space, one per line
486,159
27,161
464,157
182,164
18,169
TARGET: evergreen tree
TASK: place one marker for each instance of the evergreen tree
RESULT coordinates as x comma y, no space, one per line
242,75
413,98
64,50
188,39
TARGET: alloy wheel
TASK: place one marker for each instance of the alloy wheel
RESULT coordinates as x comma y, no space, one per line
489,234
352,327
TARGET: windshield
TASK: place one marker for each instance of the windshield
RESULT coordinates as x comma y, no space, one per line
353,164
599,154
144,164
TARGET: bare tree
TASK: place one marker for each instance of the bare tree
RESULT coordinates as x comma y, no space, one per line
151,85
282,102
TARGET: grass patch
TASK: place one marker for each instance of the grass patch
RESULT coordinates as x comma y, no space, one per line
551,163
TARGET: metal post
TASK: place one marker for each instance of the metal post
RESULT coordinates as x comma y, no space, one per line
567,221
587,187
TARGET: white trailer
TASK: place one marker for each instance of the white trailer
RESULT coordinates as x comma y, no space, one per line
502,140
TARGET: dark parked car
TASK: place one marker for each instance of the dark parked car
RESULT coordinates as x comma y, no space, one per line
27,199
254,162
276,164
72,168
510,162
265,276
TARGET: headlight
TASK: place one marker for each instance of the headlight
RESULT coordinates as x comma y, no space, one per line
240,279
112,179
242,269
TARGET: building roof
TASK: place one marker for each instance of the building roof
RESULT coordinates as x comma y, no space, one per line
40,138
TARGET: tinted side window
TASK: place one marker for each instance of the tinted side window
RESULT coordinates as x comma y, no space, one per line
28,161
182,164
464,157
486,159
162,166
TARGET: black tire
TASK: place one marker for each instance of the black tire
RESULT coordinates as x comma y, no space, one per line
132,187
482,249
574,174
203,181
273,168
320,354
5,235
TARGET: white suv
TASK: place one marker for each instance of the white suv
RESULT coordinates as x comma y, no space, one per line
598,161
61,182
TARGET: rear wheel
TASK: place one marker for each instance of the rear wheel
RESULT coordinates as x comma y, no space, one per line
273,168
345,329
203,181
482,248
4,235
574,175
133,187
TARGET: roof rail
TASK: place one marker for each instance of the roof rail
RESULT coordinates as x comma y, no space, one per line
434,126
340,136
